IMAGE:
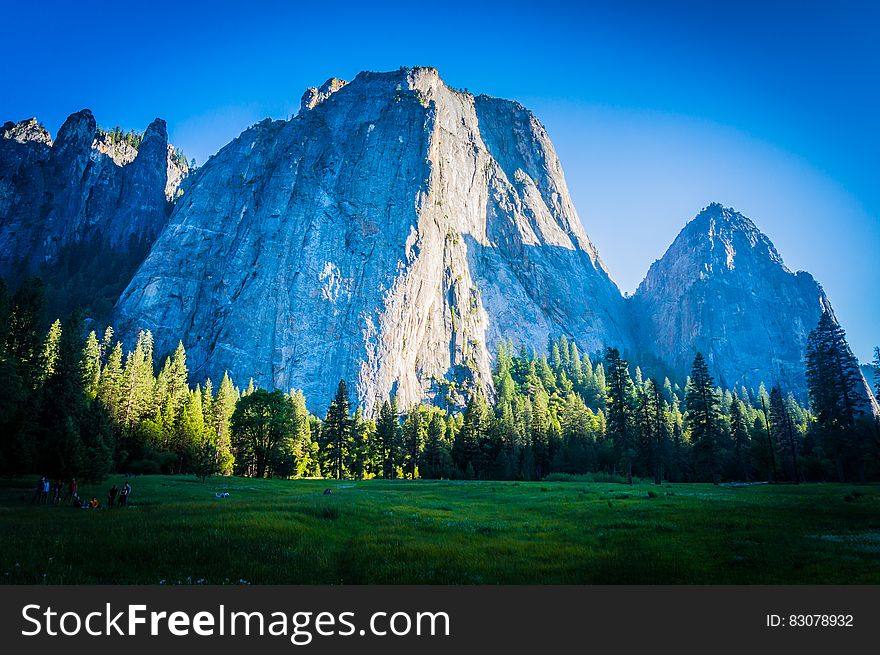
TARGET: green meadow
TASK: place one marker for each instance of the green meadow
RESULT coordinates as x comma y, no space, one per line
446,532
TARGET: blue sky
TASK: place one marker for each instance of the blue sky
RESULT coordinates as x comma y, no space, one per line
655,108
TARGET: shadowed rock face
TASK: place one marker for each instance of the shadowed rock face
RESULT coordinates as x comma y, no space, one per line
80,187
389,234
722,289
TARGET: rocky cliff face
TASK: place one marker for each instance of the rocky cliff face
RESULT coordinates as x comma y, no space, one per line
722,289
79,187
390,234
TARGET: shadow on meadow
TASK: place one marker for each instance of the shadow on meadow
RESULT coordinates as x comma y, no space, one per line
177,531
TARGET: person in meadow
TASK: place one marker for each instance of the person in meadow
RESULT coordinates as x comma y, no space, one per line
57,491
123,495
93,503
111,497
38,491
72,492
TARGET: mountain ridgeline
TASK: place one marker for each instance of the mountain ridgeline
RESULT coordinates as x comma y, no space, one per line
81,212
392,233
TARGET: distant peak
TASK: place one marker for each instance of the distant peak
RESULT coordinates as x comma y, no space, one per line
729,230
314,96
26,131
78,131
157,128
717,210
717,217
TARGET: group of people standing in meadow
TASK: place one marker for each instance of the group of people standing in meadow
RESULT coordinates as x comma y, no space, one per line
46,492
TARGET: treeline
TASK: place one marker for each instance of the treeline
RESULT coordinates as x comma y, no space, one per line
77,404
134,138
116,135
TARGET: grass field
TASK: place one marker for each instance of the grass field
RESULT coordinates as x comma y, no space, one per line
425,532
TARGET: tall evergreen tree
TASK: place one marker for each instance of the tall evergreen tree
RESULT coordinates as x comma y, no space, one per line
92,364
619,403
783,431
436,459
833,378
336,432
110,382
739,433
138,382
49,353
652,426
832,374
358,448
307,462
467,450
222,408
388,438
703,418
540,432
414,436
23,340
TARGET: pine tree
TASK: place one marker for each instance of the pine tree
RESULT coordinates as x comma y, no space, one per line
336,432
540,433
63,405
307,462
578,436
436,459
832,374
92,364
222,409
833,378
703,419
415,429
17,452
358,449
578,369
467,450
652,429
23,340
110,383
619,401
739,433
555,356
783,431
138,382
178,389
208,403
190,433
387,438
106,344
49,353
